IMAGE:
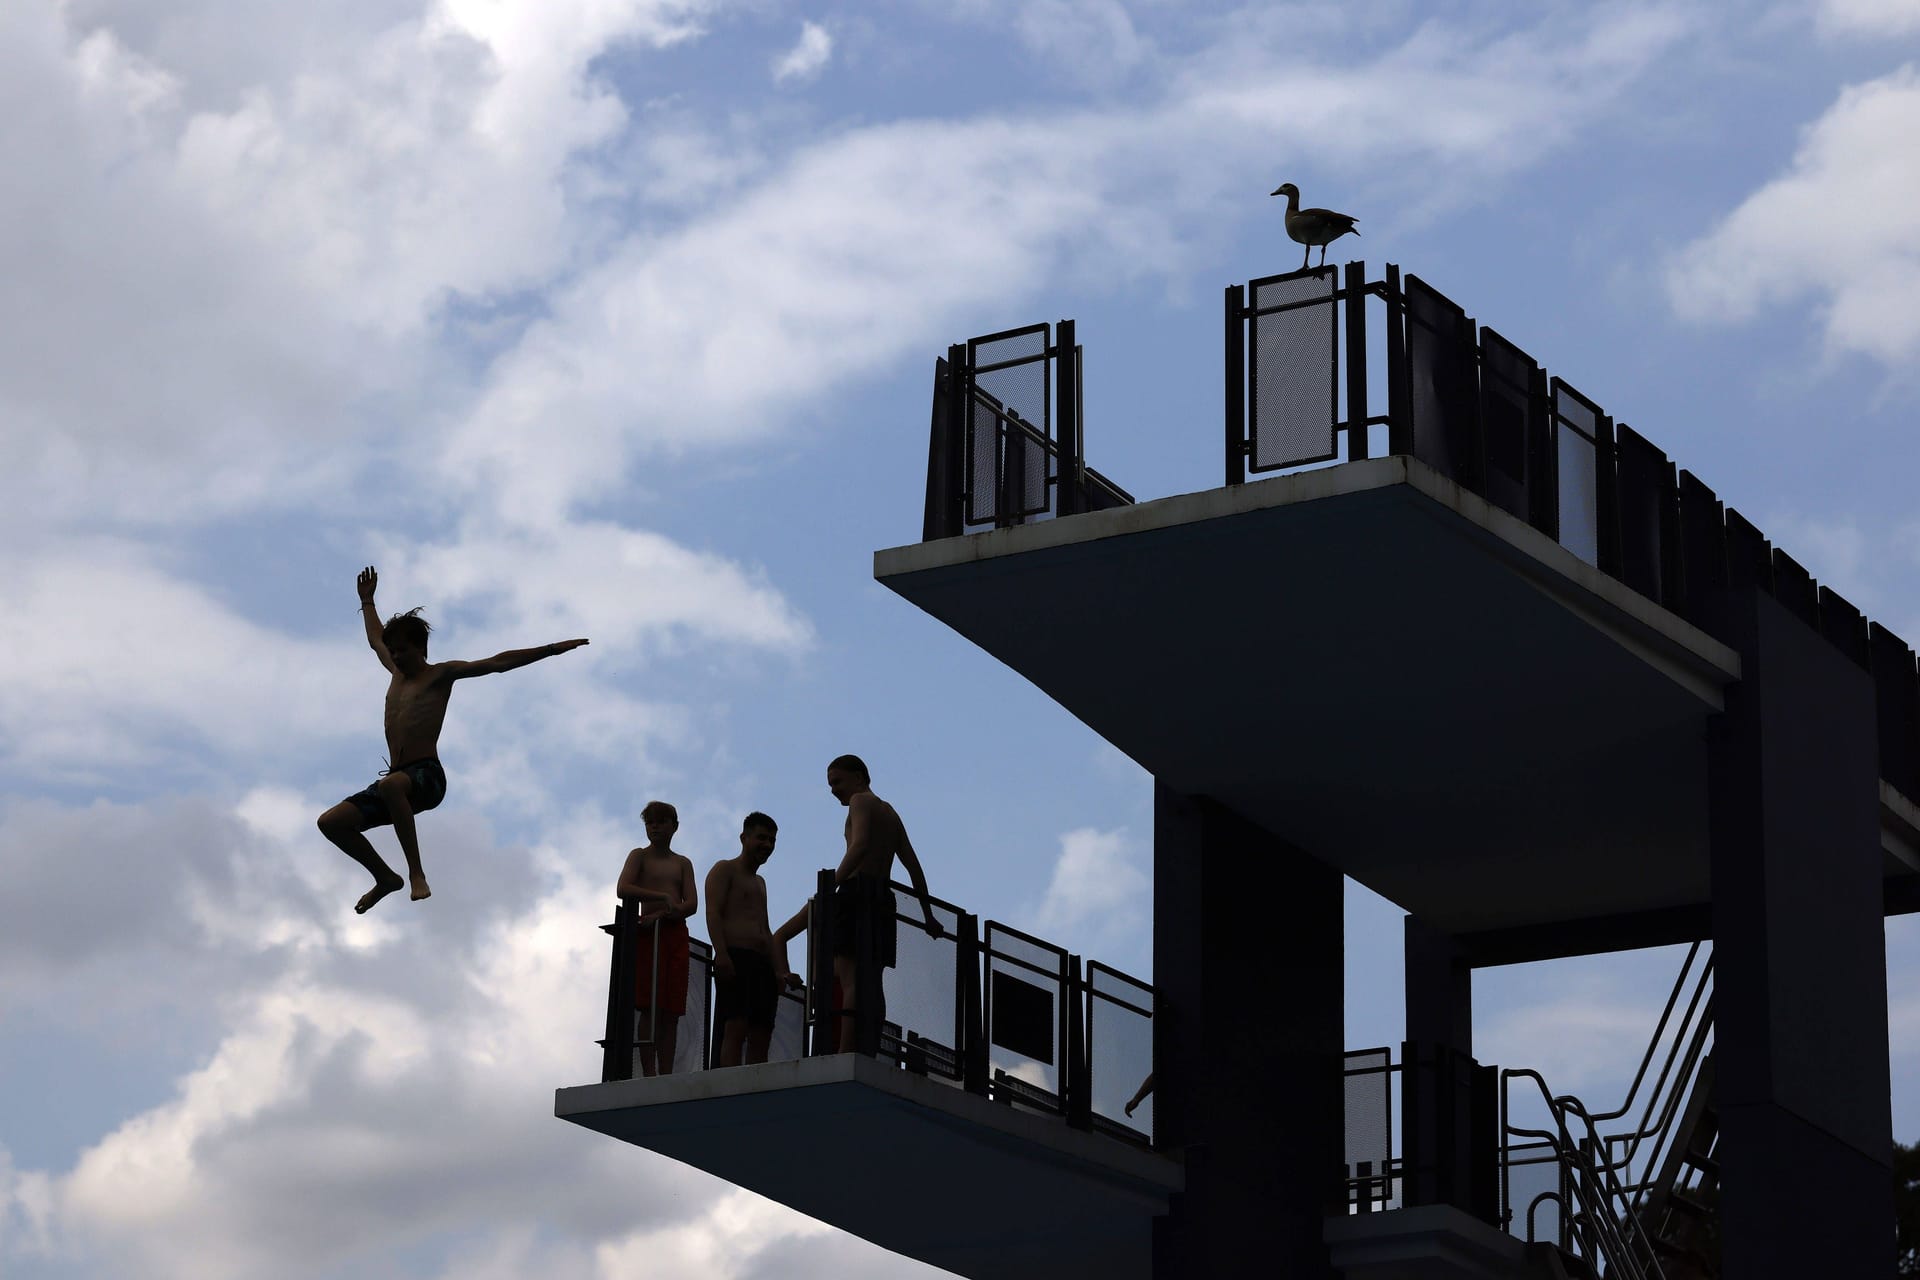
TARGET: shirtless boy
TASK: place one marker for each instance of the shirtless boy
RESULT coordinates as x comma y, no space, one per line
416,706
746,963
875,836
663,882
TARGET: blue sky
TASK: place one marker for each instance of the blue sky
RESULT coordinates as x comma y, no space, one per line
617,318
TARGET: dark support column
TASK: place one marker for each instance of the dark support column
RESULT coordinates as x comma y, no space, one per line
1247,962
1450,1122
1800,999
1439,988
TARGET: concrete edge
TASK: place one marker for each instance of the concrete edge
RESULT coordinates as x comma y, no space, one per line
1159,1171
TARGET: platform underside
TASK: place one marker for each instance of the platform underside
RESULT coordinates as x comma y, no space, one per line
913,1165
1380,668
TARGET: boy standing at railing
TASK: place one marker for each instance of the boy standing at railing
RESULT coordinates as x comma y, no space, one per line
875,836
663,882
745,959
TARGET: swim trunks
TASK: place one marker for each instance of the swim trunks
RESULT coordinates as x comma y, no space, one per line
752,993
672,994
428,790
871,899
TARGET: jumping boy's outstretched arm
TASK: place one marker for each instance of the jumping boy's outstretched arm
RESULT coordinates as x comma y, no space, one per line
507,661
369,615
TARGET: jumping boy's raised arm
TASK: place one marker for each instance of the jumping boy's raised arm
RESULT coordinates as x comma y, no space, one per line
369,615
506,661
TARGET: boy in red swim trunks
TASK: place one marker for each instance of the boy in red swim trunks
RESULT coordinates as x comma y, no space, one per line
663,882
416,707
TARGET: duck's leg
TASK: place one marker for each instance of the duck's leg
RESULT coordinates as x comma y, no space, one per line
1305,254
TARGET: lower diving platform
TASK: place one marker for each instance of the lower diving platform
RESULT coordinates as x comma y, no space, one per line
975,1186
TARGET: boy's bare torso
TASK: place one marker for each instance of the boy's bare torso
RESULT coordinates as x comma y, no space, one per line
886,834
743,920
662,871
416,709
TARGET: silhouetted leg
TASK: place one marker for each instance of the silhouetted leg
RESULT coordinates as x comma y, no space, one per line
663,1044
757,1040
344,824
395,789
733,1033
849,1001
643,1029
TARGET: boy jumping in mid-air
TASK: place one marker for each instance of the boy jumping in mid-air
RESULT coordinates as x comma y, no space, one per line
416,707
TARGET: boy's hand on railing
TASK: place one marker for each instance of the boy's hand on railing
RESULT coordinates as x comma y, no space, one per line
933,926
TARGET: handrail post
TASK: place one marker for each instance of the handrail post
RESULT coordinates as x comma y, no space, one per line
869,999
825,1038
973,1038
1399,406
616,1059
1236,383
1078,1076
1066,399
1356,287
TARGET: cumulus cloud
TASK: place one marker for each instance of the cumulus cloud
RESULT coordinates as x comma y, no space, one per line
639,361
806,59
353,1102
1100,892
1837,226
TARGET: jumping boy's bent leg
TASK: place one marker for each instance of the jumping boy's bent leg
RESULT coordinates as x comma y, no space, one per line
344,824
396,789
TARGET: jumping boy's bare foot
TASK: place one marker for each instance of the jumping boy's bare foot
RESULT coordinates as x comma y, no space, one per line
381,888
420,889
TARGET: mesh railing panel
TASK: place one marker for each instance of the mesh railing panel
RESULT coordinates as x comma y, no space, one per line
1506,418
1369,1117
983,459
1119,1046
1644,483
921,989
1009,425
1576,429
1025,490
1532,1170
1441,380
789,1039
1023,993
1293,371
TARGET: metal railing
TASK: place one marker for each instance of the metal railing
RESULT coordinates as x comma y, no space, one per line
1007,446
995,1011
1598,1194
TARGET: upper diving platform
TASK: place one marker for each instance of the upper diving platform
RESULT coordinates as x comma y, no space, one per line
1474,672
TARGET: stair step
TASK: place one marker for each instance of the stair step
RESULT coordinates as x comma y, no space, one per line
1687,1204
1704,1163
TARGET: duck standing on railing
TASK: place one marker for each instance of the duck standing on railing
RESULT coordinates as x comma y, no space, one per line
1312,227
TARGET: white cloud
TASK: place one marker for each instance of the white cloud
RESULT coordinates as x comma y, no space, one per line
1838,225
828,273
1100,889
1094,40
1869,18
806,59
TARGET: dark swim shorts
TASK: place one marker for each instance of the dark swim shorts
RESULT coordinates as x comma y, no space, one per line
869,898
752,993
429,789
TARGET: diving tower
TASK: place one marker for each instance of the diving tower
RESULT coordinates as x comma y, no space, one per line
1491,654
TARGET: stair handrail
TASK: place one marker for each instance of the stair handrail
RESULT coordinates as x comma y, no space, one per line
1688,1040
1609,1234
